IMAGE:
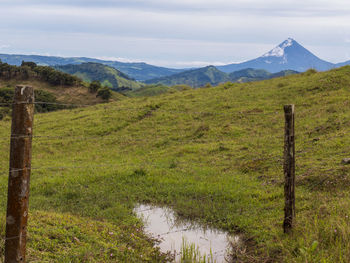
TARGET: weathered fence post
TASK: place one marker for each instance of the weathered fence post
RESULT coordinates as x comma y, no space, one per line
19,175
289,169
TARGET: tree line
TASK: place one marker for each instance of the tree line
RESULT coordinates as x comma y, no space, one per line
30,70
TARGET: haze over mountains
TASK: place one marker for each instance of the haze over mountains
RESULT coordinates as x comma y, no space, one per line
211,75
137,70
289,55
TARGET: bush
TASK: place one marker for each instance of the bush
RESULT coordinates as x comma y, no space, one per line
105,93
44,96
4,112
95,86
32,65
208,85
6,96
310,71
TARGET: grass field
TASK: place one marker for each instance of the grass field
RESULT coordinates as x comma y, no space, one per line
214,155
63,94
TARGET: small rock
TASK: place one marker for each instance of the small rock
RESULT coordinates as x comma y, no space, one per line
346,161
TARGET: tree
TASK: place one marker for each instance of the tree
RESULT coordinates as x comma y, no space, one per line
95,86
28,64
105,93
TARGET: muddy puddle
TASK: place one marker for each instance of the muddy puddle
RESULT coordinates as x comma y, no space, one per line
162,224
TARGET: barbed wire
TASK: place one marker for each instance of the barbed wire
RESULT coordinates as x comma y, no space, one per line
48,103
155,109
67,167
181,136
104,136
173,164
157,137
10,238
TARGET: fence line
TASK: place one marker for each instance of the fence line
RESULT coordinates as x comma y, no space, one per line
150,108
101,137
120,165
147,164
277,158
49,103
108,137
123,165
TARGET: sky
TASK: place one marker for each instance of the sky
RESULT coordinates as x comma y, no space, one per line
174,33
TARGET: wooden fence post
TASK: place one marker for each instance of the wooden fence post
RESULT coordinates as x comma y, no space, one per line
289,169
19,174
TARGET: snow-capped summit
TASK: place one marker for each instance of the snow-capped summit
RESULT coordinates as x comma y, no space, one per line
287,55
279,50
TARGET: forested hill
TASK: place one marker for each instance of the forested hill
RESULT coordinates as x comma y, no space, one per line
29,70
137,70
108,76
211,75
51,86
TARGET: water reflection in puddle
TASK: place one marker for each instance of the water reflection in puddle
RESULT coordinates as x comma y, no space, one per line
161,223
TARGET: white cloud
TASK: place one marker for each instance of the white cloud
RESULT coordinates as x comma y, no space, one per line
193,64
267,6
174,32
4,46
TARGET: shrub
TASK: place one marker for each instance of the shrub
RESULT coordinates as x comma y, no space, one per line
32,65
105,93
310,71
95,86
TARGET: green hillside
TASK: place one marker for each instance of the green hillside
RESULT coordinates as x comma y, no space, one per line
108,76
155,90
138,70
50,85
214,155
211,75
249,74
194,78
246,75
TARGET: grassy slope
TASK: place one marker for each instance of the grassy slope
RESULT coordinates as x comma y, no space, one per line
108,76
150,90
63,94
214,155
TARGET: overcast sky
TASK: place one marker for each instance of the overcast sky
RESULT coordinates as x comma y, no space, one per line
174,33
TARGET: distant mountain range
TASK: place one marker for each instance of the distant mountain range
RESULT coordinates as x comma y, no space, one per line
211,75
138,70
343,64
107,75
289,55
194,78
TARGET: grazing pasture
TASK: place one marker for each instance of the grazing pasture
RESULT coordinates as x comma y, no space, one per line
214,155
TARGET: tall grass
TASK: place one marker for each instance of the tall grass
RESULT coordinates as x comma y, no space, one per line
190,254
